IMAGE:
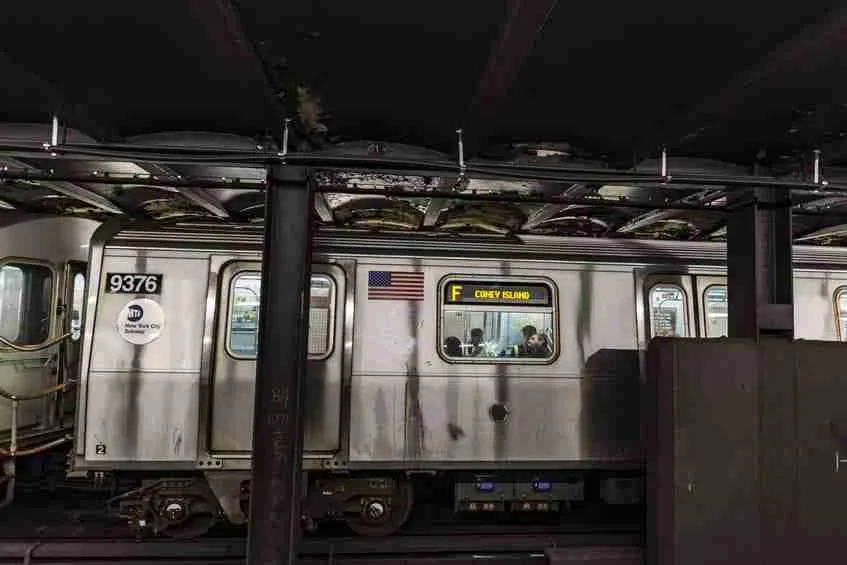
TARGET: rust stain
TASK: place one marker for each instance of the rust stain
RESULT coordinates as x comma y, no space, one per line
176,441
455,431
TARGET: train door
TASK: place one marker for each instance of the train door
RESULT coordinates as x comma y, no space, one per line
73,296
712,306
668,306
234,370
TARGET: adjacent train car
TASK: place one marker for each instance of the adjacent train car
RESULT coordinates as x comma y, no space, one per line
43,265
508,367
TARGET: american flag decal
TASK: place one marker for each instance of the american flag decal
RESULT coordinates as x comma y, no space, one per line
395,285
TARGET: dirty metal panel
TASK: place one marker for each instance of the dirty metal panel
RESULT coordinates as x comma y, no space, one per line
378,417
815,312
409,403
141,417
182,298
142,400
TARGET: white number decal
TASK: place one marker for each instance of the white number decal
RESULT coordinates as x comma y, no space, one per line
127,283
150,284
115,283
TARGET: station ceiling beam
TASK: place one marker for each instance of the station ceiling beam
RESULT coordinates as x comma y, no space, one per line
323,209
481,170
814,43
548,211
223,19
703,197
69,189
196,196
53,100
525,22
433,211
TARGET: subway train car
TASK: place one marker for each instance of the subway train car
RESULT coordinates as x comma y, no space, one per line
42,284
506,368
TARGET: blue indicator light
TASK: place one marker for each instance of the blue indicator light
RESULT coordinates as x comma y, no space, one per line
486,486
542,486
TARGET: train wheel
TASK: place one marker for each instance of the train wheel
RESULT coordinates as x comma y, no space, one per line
186,513
195,526
382,516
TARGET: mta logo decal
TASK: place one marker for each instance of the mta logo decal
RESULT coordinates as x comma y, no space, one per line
135,313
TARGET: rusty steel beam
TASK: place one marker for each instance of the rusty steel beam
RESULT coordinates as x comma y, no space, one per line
222,20
274,522
525,22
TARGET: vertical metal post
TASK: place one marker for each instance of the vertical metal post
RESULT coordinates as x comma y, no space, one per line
13,440
274,525
759,258
54,134
461,148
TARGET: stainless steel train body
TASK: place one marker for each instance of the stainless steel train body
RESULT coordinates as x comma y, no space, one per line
384,393
400,380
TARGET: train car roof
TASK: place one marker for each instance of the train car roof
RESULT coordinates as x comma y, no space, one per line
179,235
733,92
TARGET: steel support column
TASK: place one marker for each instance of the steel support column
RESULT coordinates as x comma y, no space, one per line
274,525
761,285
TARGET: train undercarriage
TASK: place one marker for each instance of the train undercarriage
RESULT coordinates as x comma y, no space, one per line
186,506
377,504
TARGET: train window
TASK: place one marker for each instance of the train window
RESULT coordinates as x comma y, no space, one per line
667,311
483,321
243,331
26,291
715,307
76,306
11,296
841,312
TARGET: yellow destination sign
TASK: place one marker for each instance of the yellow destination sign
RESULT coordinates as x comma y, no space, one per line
473,292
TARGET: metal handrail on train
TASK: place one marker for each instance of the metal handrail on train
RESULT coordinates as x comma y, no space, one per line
17,398
13,452
30,348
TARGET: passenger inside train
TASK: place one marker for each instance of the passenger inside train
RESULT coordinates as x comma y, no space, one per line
453,346
477,346
532,344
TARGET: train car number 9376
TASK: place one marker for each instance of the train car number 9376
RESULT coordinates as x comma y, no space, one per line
133,283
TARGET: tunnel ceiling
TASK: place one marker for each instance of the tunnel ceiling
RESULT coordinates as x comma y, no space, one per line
729,89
